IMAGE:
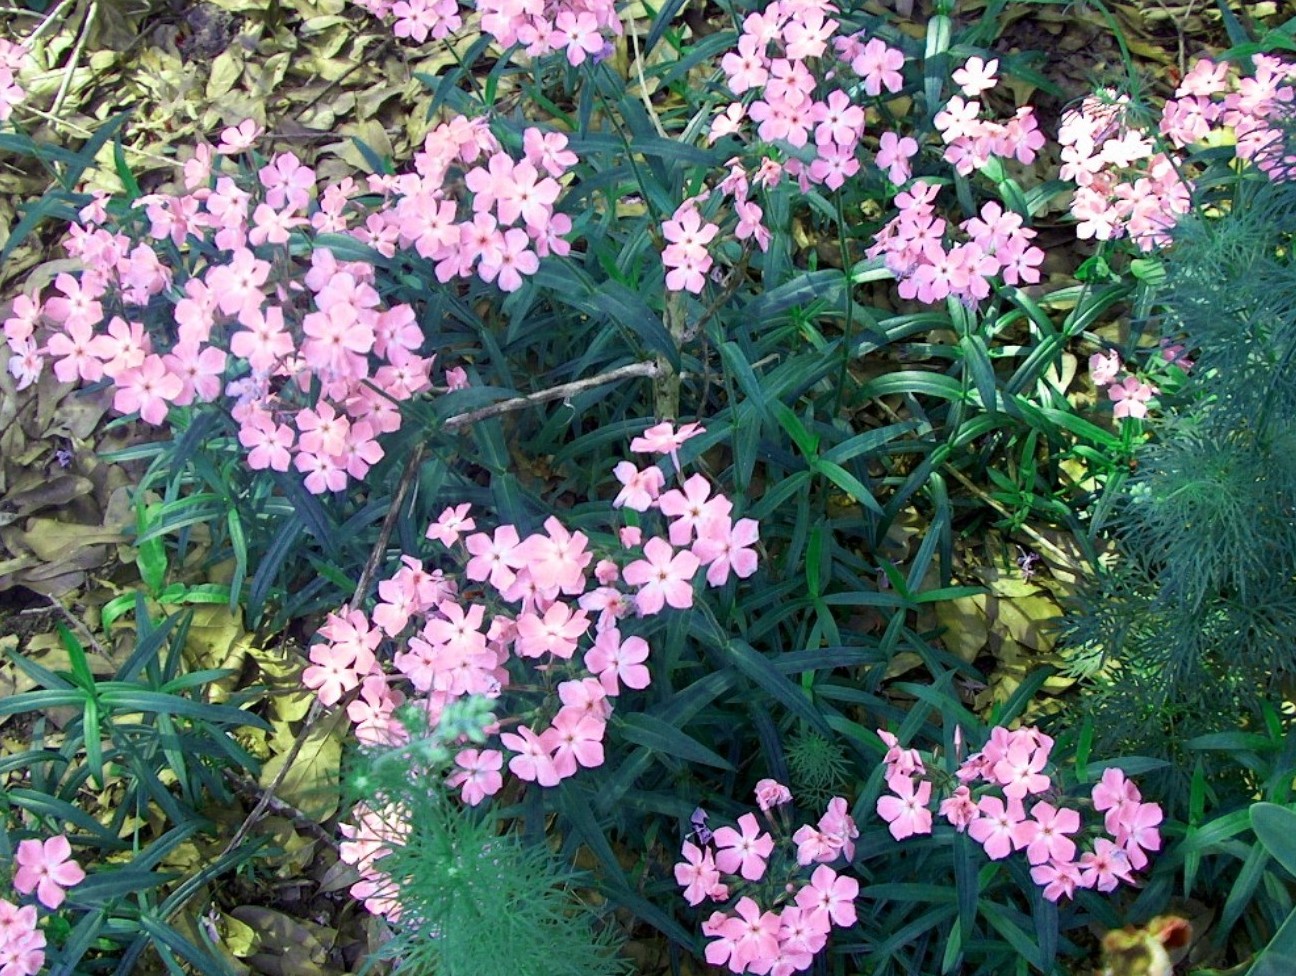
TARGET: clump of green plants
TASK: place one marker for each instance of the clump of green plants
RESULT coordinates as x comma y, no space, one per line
463,896
1194,624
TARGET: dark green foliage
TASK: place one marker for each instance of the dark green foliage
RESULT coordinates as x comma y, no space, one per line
475,903
1195,623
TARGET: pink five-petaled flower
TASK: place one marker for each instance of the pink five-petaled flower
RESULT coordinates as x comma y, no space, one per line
1045,835
725,547
830,895
1103,368
771,793
663,576
689,507
906,812
1104,868
663,438
533,762
697,875
478,775
743,853
575,739
22,944
640,488
618,661
46,868
1058,878
993,830
1131,396
495,557
450,523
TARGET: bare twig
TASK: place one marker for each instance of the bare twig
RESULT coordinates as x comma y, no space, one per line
458,421
643,83
75,59
72,621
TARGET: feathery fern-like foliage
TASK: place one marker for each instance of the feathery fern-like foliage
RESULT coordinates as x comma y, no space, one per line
1195,623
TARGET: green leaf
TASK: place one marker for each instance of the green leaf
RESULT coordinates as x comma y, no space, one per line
646,730
1275,826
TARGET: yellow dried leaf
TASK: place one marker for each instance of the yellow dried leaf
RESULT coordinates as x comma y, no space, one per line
312,782
225,72
963,625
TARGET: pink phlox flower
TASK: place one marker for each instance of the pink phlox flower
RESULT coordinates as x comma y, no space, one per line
904,762
640,488
1045,835
663,576
495,557
893,155
337,669
575,739
1137,830
879,67
697,874
906,812
959,808
556,632
236,138
148,390
994,829
548,150
813,845
838,827
1059,879
755,935
587,695
532,762
478,774
976,76
557,558
1019,771
1113,790
22,944
1103,368
725,547
618,661
802,933
1131,397
830,894
771,793
451,523
1105,867
689,507
743,851
47,868
724,940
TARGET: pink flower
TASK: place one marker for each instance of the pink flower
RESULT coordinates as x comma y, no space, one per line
618,662
959,808
976,76
689,507
663,576
838,827
1113,790
725,547
478,774
1058,879
663,438
575,739
495,557
450,523
743,853
533,762
1131,397
46,868
830,895
994,829
906,812
1044,836
1105,868
697,874
771,793
1103,369
22,944
640,488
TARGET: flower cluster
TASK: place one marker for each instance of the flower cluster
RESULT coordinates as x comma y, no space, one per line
779,926
294,342
45,868
929,269
1012,765
1130,393
12,58
1128,185
535,620
581,29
